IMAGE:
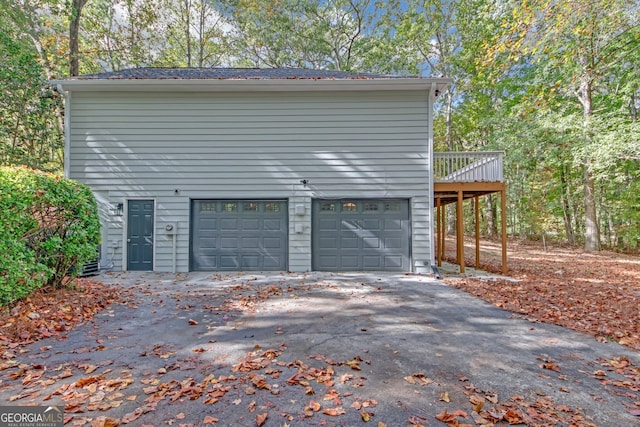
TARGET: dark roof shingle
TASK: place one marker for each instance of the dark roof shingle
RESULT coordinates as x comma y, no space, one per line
230,74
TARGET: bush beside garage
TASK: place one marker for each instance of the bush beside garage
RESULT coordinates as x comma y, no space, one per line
49,225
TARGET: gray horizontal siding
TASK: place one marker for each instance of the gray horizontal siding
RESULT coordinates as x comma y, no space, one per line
130,134
229,174
241,145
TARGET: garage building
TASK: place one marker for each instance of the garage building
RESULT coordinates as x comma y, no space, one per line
256,169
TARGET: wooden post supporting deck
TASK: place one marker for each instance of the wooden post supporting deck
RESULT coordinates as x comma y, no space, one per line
477,212
438,231
443,228
460,230
503,197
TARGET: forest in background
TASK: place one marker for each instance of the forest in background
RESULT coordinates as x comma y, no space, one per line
553,84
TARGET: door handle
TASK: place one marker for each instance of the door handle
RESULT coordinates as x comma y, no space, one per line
128,240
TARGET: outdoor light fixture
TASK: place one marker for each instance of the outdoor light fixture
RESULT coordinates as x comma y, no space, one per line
117,210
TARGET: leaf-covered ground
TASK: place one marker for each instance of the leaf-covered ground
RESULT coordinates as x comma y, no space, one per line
596,293
54,313
593,293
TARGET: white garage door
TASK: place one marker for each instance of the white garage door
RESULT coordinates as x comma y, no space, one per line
249,235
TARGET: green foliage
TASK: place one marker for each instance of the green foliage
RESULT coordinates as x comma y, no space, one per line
29,128
48,226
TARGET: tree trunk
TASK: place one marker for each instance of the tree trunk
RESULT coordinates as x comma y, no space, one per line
451,217
613,235
74,42
449,118
591,232
566,207
202,24
492,214
451,221
187,29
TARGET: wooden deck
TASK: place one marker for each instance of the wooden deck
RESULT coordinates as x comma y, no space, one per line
459,176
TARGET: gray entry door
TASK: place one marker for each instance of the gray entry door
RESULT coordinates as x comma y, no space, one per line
140,235
361,235
249,235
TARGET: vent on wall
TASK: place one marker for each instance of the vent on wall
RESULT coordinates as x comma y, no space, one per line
91,268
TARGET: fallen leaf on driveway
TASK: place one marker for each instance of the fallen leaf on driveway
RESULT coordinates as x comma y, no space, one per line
83,382
416,421
410,379
551,366
209,420
331,394
451,418
513,417
491,397
354,364
345,377
87,368
314,406
366,416
261,419
477,402
418,378
369,403
132,416
334,412
105,422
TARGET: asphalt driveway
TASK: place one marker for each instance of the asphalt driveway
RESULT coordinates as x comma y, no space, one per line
319,349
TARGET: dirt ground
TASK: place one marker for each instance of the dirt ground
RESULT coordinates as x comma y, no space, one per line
593,292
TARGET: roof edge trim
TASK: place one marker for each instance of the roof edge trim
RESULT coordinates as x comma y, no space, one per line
250,85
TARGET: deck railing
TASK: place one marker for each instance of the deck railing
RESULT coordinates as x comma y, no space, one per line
471,166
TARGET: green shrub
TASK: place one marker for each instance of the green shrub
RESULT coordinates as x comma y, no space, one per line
48,226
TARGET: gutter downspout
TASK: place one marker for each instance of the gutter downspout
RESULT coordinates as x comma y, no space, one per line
433,93
173,254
